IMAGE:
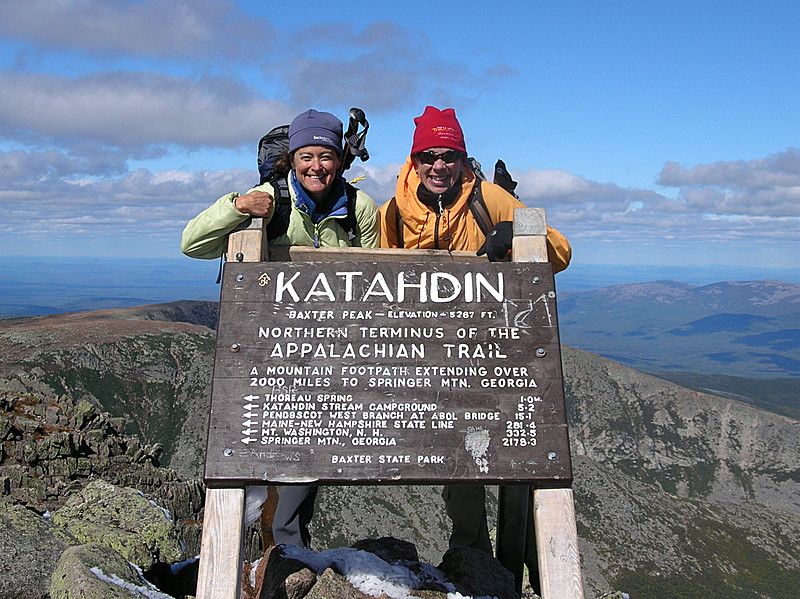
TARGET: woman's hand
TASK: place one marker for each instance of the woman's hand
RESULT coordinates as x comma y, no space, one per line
255,203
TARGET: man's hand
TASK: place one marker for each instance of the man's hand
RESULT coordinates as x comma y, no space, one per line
498,242
255,203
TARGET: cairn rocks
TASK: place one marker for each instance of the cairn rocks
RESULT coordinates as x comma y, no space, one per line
376,569
70,477
52,447
96,546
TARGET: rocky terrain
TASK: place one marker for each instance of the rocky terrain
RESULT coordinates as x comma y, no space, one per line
678,493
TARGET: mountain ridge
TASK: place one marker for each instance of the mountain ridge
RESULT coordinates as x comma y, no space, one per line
667,326
672,485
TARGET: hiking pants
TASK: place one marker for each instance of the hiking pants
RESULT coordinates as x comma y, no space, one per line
293,515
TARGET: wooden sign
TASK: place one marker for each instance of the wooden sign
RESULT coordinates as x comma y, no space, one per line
356,372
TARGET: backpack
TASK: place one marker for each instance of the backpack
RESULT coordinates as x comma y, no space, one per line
272,145
477,205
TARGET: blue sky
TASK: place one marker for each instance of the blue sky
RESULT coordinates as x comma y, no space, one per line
652,132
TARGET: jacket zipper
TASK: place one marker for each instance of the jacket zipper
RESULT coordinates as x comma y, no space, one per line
317,240
436,225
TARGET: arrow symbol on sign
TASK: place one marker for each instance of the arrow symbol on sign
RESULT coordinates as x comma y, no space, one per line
250,414
248,423
250,406
248,431
251,397
247,440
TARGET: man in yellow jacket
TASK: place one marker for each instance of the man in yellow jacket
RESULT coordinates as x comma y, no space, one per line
435,187
431,210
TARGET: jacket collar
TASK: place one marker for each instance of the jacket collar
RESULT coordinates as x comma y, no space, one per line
335,204
412,209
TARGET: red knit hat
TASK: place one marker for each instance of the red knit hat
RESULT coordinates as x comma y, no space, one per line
438,129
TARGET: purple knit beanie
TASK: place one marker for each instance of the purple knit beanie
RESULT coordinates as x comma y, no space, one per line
313,128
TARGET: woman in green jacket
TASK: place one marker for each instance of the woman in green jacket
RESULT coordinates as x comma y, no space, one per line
318,217
318,193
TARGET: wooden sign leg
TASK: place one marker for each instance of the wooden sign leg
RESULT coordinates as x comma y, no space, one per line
220,572
557,544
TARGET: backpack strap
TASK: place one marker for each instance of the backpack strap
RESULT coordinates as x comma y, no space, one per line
392,211
279,223
480,212
398,224
477,205
349,222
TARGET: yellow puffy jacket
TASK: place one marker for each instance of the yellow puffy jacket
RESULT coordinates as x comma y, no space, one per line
455,228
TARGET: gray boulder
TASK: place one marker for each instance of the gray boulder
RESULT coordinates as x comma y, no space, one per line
121,519
29,550
475,573
333,585
94,572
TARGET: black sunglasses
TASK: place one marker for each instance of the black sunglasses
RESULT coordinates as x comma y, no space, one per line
430,157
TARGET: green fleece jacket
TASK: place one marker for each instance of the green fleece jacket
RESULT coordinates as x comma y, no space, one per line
206,235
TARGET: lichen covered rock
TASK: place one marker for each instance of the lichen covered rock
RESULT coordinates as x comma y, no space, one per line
29,549
94,572
121,519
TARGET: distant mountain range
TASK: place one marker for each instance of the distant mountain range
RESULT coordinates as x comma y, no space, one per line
678,493
728,332
31,285
744,329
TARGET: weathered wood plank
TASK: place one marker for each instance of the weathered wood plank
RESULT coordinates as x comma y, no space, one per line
299,253
557,543
220,569
248,243
530,235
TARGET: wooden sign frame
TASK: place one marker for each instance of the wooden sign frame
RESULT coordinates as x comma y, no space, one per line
219,576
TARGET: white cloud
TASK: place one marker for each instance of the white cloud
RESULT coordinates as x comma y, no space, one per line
141,212
778,170
381,67
550,182
159,28
29,169
133,109
764,187
571,198
378,182
631,220
39,205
